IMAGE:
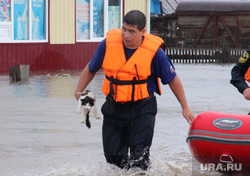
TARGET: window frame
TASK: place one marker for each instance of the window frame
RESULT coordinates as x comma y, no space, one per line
10,25
105,26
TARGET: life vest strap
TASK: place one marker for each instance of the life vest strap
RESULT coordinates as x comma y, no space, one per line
128,82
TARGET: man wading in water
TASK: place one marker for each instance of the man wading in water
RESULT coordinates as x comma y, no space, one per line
133,62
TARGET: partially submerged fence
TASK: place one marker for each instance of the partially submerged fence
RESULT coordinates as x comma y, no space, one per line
201,55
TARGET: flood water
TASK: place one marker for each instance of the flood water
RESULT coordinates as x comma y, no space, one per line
42,135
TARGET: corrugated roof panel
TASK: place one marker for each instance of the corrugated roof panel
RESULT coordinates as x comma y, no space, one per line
213,6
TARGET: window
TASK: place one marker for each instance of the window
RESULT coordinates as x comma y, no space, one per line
114,12
98,18
23,20
95,17
82,19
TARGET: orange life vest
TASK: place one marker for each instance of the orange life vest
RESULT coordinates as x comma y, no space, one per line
126,80
247,75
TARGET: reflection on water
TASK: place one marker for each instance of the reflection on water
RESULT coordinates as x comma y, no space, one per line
50,85
41,133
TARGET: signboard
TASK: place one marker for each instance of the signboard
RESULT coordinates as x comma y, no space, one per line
5,32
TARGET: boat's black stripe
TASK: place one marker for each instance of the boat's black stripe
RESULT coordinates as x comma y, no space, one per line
218,140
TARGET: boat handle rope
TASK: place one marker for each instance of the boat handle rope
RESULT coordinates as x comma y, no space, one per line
232,161
225,161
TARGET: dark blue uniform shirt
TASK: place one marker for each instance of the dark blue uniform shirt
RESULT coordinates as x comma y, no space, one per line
161,65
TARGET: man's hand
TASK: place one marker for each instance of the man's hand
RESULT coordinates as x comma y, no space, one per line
188,115
246,93
78,94
85,78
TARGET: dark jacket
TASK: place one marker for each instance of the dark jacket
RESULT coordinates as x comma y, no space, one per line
239,70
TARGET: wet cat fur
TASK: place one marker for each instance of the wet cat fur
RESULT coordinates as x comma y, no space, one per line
87,103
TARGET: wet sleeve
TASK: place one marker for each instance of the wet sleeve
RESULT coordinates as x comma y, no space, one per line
96,61
162,67
237,75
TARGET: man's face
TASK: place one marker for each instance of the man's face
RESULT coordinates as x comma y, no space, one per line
131,36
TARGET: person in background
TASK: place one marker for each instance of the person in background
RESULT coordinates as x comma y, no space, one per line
133,62
241,73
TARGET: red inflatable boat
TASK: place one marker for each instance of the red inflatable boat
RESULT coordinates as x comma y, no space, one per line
221,141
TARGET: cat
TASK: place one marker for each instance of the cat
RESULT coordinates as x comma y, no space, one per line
87,103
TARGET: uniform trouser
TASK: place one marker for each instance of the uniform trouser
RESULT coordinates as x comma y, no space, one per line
128,127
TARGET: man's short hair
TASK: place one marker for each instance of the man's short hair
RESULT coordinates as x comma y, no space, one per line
135,17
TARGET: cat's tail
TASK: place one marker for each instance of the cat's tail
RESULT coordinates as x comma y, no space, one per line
87,120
